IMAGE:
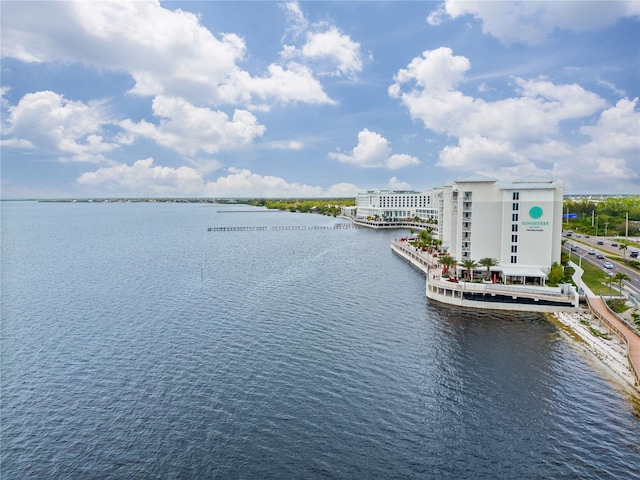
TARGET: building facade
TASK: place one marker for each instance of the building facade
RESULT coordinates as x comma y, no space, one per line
394,205
517,223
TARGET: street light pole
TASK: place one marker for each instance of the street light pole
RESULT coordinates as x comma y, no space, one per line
597,226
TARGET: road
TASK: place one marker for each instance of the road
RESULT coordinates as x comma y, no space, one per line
585,243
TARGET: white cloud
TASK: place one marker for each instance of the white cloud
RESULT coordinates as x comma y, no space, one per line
285,145
297,23
47,121
477,151
616,131
395,184
435,18
326,48
523,134
428,88
614,146
166,52
373,151
532,22
612,87
189,130
143,179
336,47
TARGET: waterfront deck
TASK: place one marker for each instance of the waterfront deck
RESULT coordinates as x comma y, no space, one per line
489,295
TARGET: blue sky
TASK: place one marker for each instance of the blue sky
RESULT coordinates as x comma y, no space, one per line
315,99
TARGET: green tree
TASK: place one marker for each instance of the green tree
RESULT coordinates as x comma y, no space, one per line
425,238
608,280
449,262
621,277
469,265
488,262
623,247
556,274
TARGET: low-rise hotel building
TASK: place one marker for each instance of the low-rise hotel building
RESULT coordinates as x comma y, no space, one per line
395,205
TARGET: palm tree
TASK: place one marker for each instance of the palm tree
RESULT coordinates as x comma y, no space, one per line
623,247
488,262
469,265
621,277
608,280
449,262
425,238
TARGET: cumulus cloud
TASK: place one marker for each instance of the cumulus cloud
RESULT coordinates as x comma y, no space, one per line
167,52
395,184
475,151
522,134
614,139
49,122
428,88
532,22
327,49
189,130
373,151
334,46
143,179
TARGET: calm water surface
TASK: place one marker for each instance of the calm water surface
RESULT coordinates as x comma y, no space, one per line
135,344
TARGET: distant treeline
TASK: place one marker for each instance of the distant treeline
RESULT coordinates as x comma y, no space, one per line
608,215
324,206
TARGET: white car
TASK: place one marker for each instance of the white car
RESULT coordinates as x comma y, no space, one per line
607,265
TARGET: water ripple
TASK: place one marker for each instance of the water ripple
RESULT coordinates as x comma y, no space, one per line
137,345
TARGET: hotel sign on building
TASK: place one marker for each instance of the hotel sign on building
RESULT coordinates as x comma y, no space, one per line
535,224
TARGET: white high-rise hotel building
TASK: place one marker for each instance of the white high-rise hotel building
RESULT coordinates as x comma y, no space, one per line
518,223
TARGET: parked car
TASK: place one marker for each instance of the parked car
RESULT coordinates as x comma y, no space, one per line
607,265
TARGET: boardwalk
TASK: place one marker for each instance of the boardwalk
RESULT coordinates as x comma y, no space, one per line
600,310
337,226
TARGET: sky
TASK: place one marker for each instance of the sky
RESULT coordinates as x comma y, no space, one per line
315,98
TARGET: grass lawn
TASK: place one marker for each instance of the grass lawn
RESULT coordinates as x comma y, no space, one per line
595,278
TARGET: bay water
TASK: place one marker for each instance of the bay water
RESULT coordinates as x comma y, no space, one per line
137,344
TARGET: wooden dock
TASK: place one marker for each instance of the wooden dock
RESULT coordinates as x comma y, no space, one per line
337,226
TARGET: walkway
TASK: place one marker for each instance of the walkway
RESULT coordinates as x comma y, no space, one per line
601,311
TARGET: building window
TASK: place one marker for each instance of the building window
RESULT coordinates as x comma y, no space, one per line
514,217
514,238
516,195
515,207
514,248
514,227
514,259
